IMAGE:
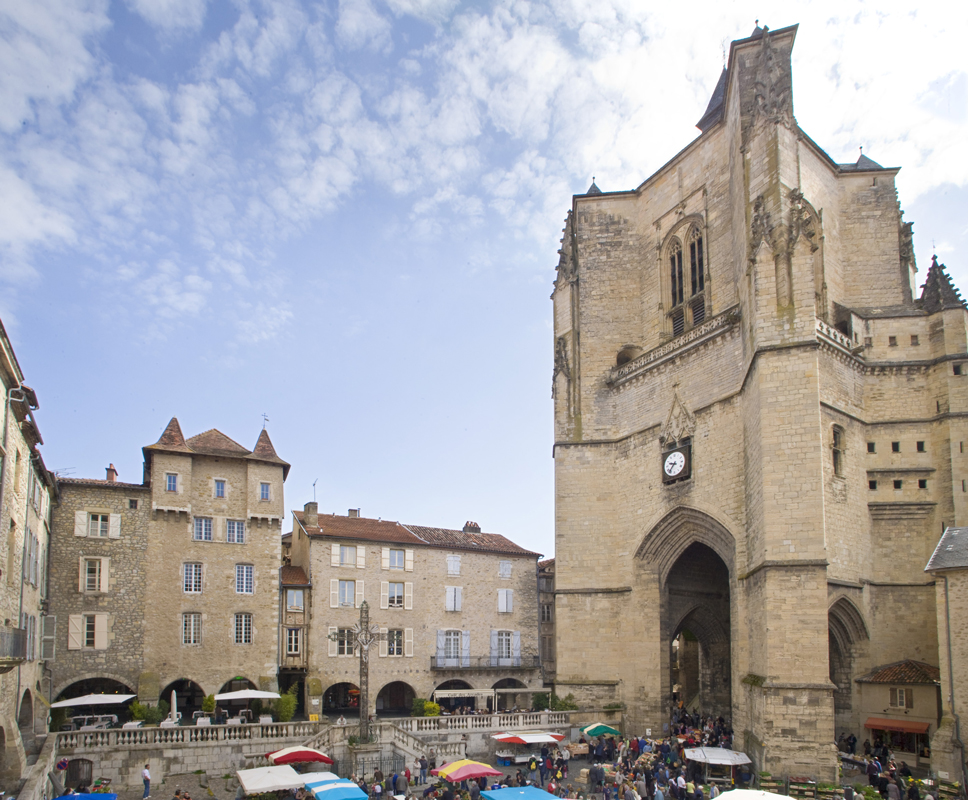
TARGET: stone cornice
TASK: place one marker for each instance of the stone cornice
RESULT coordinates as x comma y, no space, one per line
603,590
903,510
793,563
704,332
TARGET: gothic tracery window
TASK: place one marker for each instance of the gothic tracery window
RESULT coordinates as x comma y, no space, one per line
688,300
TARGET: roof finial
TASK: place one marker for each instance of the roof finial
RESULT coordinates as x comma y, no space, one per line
265,419
756,22
862,149
314,490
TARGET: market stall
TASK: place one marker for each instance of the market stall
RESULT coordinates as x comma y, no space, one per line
270,779
719,764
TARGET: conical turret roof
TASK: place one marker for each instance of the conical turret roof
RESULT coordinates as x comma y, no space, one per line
939,292
264,451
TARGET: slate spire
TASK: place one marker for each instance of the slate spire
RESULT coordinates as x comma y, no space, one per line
938,292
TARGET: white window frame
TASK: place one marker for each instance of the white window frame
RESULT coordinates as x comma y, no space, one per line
98,564
171,481
219,484
453,564
344,555
192,628
293,641
242,633
345,642
395,642
347,594
192,574
397,558
80,629
505,644
391,597
97,523
244,579
202,532
452,645
265,491
235,531
504,569
291,597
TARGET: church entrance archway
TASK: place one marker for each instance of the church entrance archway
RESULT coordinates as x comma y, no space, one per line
847,638
696,600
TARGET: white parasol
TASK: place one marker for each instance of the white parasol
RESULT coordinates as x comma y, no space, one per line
173,712
93,700
247,694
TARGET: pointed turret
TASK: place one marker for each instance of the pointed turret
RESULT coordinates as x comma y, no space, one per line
172,439
938,292
264,451
593,189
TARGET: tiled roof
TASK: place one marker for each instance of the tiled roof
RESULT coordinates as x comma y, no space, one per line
264,451
951,552
461,540
548,562
172,439
374,530
903,672
104,483
214,442
293,576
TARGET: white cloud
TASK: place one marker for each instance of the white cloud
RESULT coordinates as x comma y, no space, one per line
171,15
435,11
361,25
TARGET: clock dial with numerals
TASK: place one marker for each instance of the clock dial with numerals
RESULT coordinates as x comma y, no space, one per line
674,463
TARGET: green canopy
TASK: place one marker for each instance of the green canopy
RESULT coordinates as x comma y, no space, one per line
600,729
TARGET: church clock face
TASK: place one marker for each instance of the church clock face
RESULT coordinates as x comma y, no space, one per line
677,464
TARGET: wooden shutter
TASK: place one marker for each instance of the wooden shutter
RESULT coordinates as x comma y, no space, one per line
383,642
82,576
909,697
114,526
75,632
408,560
334,593
100,631
893,697
465,648
334,556
516,648
359,593
449,603
105,569
493,648
80,523
502,601
385,557
408,597
360,557
332,640
458,597
48,637
509,593
384,594
408,642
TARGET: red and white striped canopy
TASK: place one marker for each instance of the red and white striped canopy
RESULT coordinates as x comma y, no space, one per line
298,755
529,737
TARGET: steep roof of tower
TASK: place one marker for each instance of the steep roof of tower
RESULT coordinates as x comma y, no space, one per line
172,439
264,451
215,443
862,164
938,292
900,672
714,111
593,189
951,552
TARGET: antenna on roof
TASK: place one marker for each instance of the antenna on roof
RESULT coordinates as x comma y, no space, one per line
723,45
314,490
265,419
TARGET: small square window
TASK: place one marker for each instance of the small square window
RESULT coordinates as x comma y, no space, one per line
871,448
892,341
872,485
895,447
898,484
203,529
868,341
171,482
914,340
957,369
133,505
220,488
98,525
263,491
920,447
922,483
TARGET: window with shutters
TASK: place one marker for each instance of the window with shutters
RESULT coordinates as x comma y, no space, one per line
203,529
396,559
453,595
452,645
235,531
504,641
193,579
90,631
902,698
92,574
98,525
453,565
87,632
293,641
243,629
505,601
347,594
395,642
345,642
347,556
244,579
192,628
504,569
395,595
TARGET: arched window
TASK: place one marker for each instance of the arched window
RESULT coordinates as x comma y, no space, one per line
696,262
675,266
837,450
687,282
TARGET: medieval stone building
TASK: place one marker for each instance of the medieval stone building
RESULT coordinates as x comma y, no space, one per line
760,429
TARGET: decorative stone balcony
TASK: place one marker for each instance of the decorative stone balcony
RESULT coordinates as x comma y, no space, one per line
13,648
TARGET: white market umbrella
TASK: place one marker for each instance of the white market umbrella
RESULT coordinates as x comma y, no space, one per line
247,694
529,737
752,794
270,779
719,755
173,711
93,700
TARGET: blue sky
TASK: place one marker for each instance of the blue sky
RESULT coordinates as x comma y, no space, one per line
345,215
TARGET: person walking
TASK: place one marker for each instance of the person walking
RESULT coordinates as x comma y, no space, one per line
146,777
423,769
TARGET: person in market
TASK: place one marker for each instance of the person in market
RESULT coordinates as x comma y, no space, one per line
565,758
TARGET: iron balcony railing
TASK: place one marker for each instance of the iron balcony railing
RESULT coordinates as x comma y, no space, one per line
13,648
486,662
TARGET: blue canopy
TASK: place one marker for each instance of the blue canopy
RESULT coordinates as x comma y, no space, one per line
517,793
336,790
98,796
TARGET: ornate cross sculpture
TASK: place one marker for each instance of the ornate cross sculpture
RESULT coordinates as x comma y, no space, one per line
364,636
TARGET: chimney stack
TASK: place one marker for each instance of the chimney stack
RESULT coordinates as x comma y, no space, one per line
353,513
471,527
112,473
311,514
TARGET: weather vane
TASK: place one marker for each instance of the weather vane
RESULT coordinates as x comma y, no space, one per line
265,419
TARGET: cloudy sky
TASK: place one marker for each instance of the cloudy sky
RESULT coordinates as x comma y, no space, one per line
345,214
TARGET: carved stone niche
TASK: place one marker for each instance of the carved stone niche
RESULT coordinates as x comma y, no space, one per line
679,425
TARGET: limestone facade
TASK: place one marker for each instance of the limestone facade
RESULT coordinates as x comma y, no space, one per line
188,594
26,492
457,610
546,618
759,428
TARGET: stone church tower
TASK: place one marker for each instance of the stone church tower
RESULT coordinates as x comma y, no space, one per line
759,431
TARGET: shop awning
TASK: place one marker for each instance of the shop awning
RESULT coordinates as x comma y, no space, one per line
903,725
451,693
